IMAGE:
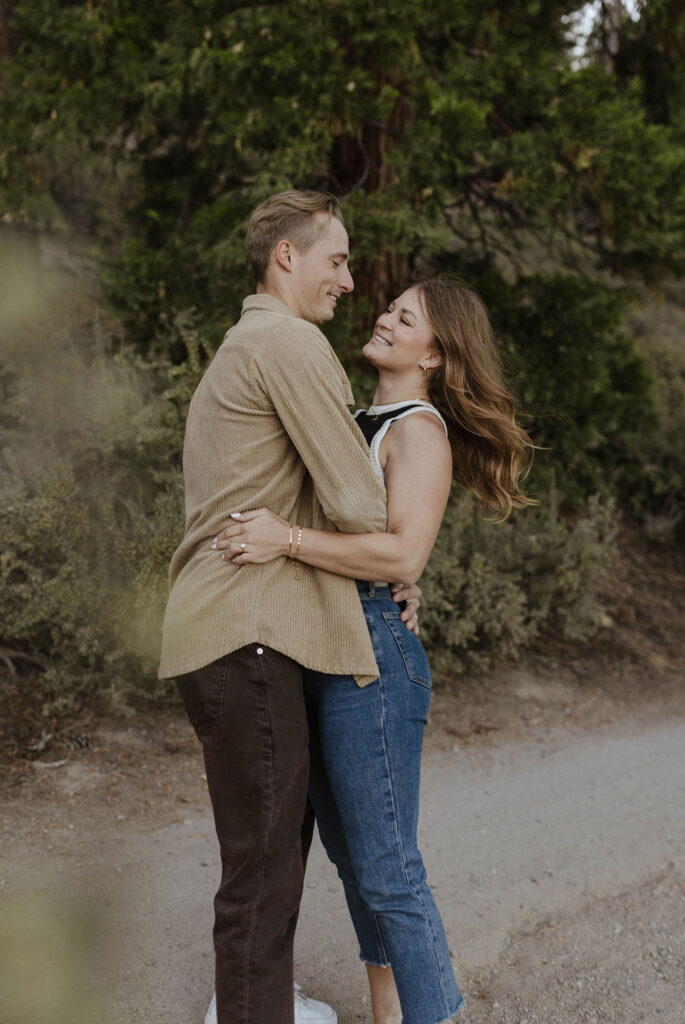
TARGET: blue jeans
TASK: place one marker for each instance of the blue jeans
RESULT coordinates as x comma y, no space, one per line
365,760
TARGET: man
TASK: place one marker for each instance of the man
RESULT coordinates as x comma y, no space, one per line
269,425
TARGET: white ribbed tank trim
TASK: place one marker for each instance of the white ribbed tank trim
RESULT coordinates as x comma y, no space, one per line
417,406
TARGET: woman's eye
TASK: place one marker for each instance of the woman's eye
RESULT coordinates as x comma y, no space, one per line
336,265
405,322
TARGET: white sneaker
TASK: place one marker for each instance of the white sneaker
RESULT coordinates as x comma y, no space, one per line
307,1011
312,1011
210,1016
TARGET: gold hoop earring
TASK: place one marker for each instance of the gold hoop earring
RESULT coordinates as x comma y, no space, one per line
425,370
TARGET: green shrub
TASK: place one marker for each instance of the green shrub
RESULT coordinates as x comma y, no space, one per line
658,326
67,590
491,590
579,377
91,509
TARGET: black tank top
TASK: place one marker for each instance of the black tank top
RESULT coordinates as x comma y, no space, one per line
370,424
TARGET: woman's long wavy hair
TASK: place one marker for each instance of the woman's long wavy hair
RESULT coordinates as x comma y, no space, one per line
491,453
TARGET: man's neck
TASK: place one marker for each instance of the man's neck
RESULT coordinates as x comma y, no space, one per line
284,296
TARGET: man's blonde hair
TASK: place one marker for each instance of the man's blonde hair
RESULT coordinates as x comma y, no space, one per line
290,215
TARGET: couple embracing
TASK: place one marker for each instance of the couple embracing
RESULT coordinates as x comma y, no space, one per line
291,627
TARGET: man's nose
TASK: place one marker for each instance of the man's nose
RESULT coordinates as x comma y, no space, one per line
345,281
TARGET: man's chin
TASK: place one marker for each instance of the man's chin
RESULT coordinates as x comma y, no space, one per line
318,315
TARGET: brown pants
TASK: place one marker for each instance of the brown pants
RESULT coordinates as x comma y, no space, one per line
248,710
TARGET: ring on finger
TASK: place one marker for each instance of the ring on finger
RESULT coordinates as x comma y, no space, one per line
243,545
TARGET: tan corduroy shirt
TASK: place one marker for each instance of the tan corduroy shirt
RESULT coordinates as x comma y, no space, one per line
269,426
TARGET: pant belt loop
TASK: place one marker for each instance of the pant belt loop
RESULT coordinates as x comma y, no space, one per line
372,590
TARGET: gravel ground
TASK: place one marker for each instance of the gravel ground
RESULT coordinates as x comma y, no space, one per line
616,959
558,862
555,848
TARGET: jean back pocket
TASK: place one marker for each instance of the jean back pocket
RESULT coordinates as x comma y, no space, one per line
411,649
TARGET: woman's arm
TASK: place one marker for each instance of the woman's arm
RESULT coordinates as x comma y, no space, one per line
418,474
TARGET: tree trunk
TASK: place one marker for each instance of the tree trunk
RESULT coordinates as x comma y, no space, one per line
8,39
380,280
613,12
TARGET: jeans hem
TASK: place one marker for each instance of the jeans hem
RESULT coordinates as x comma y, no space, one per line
372,963
461,1005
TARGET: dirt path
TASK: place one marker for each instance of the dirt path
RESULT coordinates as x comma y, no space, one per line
557,857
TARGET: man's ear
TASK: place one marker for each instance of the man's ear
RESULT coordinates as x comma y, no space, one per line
284,253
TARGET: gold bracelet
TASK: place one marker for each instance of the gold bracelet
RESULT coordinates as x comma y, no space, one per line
293,557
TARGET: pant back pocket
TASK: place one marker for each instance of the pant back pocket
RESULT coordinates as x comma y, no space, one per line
411,649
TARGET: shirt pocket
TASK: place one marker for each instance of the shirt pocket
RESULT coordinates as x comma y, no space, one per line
411,649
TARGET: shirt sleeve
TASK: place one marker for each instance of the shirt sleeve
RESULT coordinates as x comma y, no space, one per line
310,393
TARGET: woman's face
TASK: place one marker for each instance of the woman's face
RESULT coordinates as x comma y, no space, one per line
402,338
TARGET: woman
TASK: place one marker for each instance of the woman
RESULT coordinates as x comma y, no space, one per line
440,412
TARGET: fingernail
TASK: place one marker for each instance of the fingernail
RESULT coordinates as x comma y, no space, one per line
223,556
214,545
235,515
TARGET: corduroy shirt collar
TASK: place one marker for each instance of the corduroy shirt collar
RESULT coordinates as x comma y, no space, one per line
268,303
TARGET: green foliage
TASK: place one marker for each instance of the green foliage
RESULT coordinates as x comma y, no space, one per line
652,49
492,590
66,590
155,130
659,328
91,507
188,115
578,376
